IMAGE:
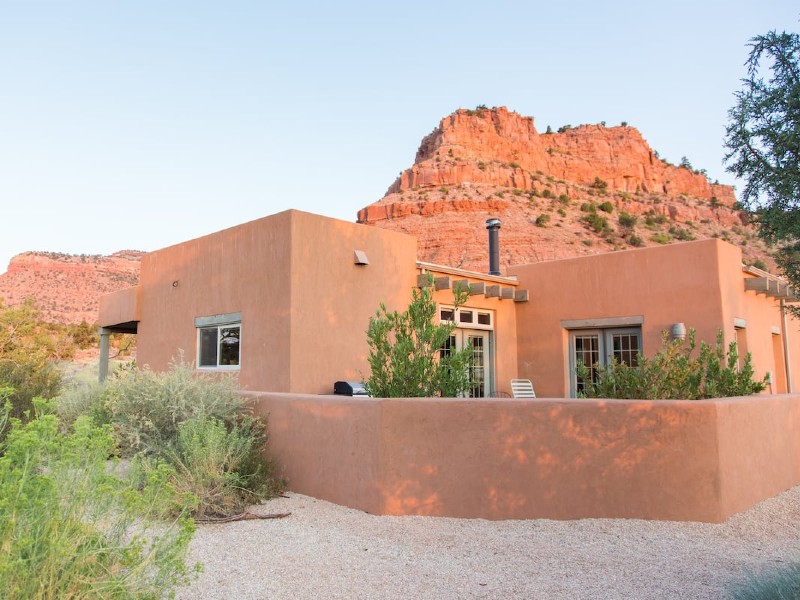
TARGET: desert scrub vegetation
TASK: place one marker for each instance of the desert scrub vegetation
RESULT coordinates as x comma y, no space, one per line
775,583
674,372
71,527
197,427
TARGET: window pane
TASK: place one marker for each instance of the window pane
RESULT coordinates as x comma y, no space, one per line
477,367
626,348
465,316
484,319
587,350
229,346
208,347
446,314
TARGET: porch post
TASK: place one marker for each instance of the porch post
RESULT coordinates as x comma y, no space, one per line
105,334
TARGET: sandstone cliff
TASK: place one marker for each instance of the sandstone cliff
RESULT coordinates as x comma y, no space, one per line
584,190
67,288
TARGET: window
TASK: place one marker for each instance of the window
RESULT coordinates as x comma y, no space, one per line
600,347
467,317
218,341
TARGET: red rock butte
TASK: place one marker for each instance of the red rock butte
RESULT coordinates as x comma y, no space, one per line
494,163
66,287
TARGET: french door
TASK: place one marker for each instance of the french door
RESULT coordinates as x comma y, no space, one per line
480,366
599,348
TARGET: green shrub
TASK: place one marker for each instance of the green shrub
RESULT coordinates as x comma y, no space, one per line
564,199
220,466
542,220
606,207
546,193
599,184
72,528
652,220
597,223
145,408
196,425
562,212
679,233
661,238
626,219
775,583
673,373
409,354
588,207
26,352
635,241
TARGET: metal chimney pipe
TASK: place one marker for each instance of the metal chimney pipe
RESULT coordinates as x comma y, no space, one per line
493,225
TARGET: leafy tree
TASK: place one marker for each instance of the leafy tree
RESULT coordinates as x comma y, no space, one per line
763,143
26,349
410,355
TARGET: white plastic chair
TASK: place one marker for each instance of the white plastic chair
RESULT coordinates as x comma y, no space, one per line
522,388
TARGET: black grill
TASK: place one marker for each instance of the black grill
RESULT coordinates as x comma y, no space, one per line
350,388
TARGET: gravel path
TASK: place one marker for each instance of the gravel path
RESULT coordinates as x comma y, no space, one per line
326,551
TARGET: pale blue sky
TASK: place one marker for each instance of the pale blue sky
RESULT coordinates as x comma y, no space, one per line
143,124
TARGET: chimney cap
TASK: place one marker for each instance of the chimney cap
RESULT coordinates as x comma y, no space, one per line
491,223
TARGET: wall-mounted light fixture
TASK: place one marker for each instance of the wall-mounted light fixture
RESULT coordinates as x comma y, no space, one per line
175,283
678,331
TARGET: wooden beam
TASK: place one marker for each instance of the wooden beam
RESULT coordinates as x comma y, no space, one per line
477,289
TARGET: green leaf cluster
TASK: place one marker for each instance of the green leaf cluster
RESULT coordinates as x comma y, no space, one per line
71,527
197,426
762,143
410,354
675,373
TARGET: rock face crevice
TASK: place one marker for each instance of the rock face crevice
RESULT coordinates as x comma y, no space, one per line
494,163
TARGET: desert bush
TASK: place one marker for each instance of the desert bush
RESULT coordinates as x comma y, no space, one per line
776,583
145,408
220,466
599,184
542,220
626,219
661,238
197,427
673,373
72,528
635,241
26,352
86,399
606,207
679,233
597,223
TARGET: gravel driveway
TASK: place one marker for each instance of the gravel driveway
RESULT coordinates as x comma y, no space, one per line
325,551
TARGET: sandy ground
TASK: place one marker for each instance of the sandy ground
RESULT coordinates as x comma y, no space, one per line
326,551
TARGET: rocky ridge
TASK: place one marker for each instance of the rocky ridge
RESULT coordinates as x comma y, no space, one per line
65,287
582,190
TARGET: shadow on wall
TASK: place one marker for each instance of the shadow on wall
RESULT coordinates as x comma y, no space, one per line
558,459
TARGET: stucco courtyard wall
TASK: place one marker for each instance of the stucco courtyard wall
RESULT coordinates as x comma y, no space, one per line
544,458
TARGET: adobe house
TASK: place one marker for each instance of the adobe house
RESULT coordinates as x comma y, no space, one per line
285,302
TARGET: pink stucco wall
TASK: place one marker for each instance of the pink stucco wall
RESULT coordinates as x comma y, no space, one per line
547,458
698,283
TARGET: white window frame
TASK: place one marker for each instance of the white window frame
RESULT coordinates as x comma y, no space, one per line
218,322
473,324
